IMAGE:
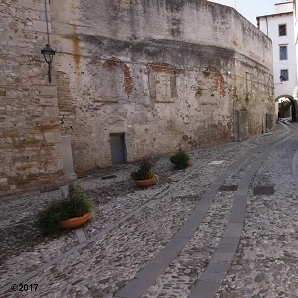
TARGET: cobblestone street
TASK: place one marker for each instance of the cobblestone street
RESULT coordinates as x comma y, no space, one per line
224,227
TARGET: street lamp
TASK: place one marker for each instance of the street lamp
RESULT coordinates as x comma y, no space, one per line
281,78
48,54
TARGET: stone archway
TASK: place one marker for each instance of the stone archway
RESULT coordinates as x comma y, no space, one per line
294,106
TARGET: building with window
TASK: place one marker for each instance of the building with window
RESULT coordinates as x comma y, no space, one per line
129,79
280,28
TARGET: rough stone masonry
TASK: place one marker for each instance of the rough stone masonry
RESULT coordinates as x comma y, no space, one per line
129,79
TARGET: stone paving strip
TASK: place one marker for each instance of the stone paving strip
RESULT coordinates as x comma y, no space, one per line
181,274
210,281
266,264
179,277
153,270
112,253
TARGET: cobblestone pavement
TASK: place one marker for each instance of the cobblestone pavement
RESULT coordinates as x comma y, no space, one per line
130,226
266,262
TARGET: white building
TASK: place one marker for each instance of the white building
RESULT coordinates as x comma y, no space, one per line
296,27
280,28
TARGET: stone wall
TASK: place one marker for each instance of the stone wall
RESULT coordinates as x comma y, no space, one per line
165,74
30,138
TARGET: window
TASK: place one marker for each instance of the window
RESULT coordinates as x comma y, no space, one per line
284,73
163,87
282,29
283,52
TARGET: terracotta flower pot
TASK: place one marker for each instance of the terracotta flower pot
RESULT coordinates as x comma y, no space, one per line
75,222
144,183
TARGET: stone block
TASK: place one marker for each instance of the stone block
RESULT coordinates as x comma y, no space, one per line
10,134
25,3
12,94
204,289
3,181
233,230
39,6
134,289
48,91
58,149
51,112
52,137
41,26
220,257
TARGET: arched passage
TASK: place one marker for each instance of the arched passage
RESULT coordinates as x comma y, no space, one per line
294,106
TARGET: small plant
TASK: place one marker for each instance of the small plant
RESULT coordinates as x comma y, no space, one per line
206,72
76,204
285,105
145,171
180,160
247,98
295,93
199,91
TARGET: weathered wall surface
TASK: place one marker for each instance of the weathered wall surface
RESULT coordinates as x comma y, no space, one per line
162,73
157,71
30,138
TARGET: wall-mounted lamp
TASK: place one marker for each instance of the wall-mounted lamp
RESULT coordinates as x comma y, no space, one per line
281,78
48,54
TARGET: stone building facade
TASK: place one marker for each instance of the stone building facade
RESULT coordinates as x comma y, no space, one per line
130,78
30,135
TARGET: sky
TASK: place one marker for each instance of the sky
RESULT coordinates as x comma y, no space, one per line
250,9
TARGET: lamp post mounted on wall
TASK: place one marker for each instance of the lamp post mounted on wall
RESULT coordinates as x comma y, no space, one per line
48,54
47,51
281,78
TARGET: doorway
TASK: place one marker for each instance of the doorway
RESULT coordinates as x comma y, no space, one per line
118,148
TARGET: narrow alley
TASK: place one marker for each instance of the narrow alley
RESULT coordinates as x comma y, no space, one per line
224,227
